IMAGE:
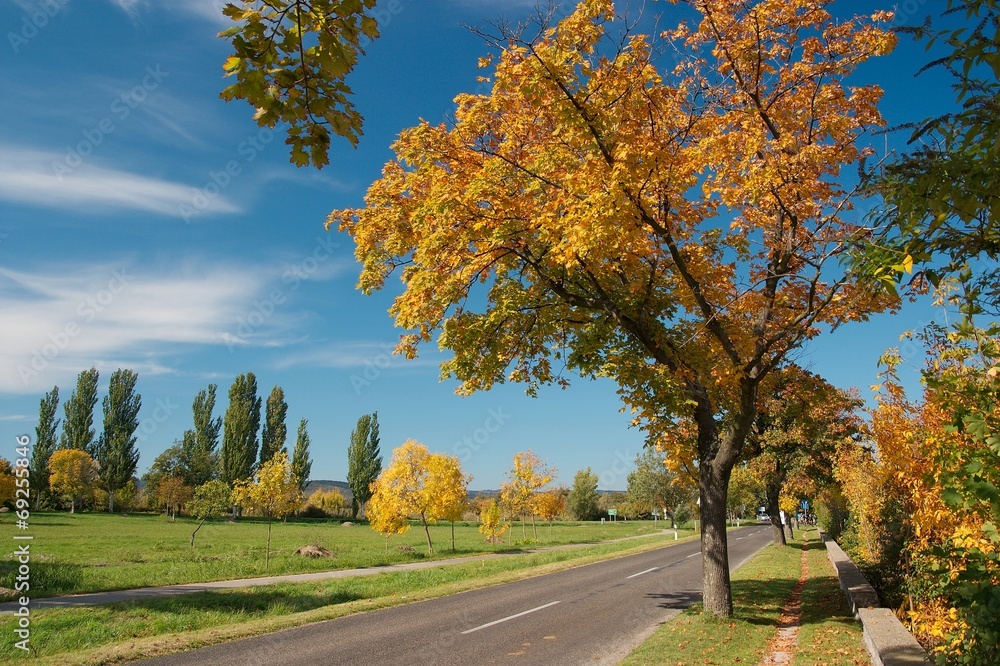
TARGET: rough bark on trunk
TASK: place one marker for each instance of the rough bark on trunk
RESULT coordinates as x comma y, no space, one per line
716,457
717,594
773,491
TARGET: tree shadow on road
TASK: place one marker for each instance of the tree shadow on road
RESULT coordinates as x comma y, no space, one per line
676,600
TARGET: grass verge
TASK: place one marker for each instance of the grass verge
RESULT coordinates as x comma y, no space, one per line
829,635
117,633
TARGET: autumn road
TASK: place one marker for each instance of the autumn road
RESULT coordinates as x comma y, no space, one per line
594,614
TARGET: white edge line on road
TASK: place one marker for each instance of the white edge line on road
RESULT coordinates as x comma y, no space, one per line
509,617
692,555
641,572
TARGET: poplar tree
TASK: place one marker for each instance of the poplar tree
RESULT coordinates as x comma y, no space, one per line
117,456
45,444
198,447
301,463
240,428
364,460
275,431
78,431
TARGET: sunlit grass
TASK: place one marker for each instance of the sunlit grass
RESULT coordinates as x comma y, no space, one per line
91,552
120,632
760,590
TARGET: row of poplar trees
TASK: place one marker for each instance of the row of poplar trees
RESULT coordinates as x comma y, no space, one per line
200,457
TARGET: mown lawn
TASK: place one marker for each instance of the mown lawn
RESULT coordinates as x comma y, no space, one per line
89,552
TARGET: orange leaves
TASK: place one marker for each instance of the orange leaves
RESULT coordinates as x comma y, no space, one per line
595,212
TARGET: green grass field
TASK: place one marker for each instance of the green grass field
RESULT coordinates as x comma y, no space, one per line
90,552
117,633
96,551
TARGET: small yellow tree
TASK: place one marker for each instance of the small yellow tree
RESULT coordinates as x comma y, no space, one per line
491,522
384,513
550,504
417,482
330,502
273,493
449,489
528,475
71,474
334,502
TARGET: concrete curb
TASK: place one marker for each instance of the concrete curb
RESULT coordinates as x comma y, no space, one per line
887,640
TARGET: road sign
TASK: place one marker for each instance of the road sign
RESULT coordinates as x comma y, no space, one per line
612,512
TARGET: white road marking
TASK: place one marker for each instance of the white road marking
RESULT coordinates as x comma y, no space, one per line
641,572
509,617
692,555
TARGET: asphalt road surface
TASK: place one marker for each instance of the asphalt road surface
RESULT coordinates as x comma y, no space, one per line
594,614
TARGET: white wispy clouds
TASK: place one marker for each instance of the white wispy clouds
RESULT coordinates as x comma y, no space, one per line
63,319
375,355
40,178
60,319
208,10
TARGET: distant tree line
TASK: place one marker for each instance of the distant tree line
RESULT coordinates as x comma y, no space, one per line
81,465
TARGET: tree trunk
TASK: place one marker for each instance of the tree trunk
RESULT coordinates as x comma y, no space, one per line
196,531
453,536
111,500
772,491
716,456
717,594
534,531
427,531
267,550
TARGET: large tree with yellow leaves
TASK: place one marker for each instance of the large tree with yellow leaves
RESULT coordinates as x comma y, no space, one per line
676,227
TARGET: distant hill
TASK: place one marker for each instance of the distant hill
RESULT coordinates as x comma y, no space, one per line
324,484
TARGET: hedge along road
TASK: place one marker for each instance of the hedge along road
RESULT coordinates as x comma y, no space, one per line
593,614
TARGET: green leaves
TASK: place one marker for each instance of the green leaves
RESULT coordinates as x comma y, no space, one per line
291,59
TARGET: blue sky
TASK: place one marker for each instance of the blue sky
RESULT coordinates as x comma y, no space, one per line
146,224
